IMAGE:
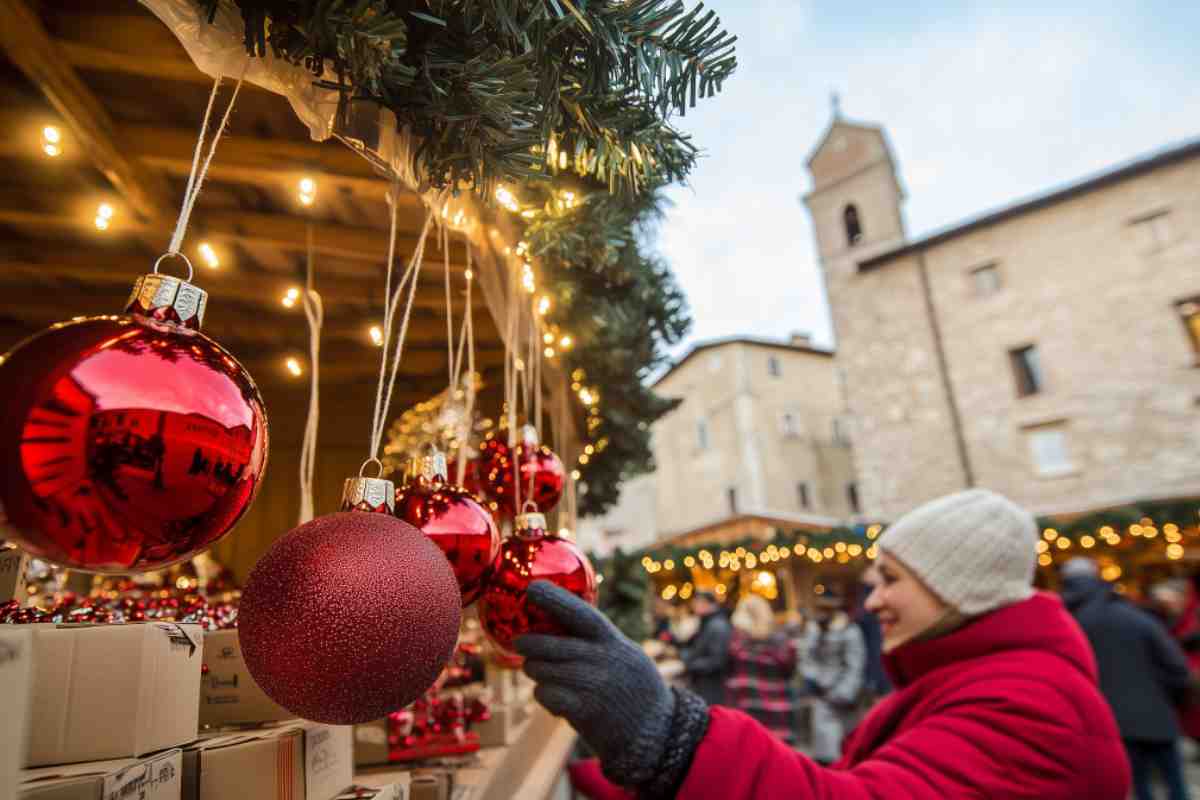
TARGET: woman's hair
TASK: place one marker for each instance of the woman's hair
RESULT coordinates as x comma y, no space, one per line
754,617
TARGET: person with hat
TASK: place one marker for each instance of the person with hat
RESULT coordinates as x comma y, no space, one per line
995,695
1142,672
833,663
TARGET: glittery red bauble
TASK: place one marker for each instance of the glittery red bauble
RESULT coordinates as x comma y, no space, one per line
525,557
455,521
540,469
130,444
348,617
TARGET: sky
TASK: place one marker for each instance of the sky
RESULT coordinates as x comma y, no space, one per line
982,105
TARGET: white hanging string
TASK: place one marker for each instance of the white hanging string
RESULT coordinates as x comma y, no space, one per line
449,306
466,342
387,376
200,171
314,312
512,386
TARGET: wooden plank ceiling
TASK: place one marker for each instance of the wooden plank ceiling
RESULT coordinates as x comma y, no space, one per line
128,102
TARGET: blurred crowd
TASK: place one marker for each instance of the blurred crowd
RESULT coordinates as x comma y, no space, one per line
809,678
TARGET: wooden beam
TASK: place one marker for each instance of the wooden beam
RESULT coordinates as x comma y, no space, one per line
274,230
85,57
31,49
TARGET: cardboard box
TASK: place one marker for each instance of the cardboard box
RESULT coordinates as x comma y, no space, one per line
16,682
228,694
155,777
12,574
112,691
294,760
432,785
501,729
397,790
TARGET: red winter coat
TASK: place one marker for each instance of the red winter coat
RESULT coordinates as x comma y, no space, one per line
1005,708
1186,626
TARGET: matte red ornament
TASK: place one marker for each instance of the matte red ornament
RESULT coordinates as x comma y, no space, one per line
530,554
541,473
349,617
453,520
131,442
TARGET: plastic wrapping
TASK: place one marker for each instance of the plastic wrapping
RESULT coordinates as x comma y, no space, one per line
218,50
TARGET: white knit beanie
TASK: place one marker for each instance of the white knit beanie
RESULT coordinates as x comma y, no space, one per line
976,550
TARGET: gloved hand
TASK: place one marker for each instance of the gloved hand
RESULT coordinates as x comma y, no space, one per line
605,686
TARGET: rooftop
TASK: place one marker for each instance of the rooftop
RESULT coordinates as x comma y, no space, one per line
799,343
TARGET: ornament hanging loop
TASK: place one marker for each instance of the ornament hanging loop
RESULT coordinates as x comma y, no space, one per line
529,507
186,260
371,460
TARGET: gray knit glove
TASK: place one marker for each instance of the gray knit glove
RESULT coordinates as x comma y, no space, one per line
605,686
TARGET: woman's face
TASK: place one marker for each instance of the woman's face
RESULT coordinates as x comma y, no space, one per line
905,608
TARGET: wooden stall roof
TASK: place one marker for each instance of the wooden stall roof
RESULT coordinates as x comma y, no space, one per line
128,102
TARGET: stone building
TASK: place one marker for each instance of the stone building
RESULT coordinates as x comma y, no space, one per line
1048,350
758,441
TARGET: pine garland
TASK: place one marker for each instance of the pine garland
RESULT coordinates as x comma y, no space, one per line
538,97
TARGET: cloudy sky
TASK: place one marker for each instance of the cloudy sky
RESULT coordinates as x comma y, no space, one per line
982,106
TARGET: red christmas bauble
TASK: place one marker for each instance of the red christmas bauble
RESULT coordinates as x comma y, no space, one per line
349,617
530,554
541,474
456,522
131,443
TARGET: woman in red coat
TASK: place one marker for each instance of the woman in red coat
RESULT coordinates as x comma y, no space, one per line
996,689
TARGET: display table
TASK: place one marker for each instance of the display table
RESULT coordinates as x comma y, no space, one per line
528,769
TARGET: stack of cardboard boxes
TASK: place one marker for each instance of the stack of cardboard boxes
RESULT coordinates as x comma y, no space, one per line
108,712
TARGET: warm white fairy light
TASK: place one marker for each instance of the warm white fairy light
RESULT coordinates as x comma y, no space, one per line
565,342
51,141
104,215
289,299
543,305
209,255
293,366
376,334
308,191
548,338
548,352
506,198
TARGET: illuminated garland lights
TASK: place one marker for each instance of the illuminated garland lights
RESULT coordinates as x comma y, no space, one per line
1144,525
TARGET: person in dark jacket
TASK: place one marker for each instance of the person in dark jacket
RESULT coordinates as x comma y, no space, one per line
706,655
1142,671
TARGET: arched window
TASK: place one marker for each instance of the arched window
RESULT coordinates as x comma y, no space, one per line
853,225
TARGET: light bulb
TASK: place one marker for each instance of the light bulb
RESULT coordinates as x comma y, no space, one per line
293,366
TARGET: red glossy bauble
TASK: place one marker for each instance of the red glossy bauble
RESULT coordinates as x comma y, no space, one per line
530,554
456,522
541,472
349,617
130,443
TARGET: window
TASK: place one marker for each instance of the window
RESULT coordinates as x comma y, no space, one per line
1189,312
854,232
773,367
1048,449
731,495
1027,370
985,280
852,497
802,494
702,434
1154,229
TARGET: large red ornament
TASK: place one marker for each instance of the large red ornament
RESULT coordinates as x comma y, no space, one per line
530,554
350,616
454,520
541,475
131,442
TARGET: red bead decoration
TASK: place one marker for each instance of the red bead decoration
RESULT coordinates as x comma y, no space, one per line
541,472
130,442
530,554
349,617
453,520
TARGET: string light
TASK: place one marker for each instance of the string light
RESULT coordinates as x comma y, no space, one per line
293,366
308,191
104,215
565,342
209,255
506,198
543,305
290,298
376,334
51,141
548,352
